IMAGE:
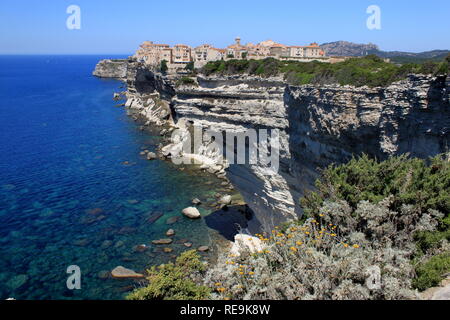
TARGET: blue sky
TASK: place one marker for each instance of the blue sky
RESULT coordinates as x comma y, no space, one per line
118,26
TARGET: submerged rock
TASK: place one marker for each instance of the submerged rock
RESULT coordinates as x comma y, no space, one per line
162,241
203,249
172,220
17,281
154,217
122,272
140,248
106,244
104,274
191,212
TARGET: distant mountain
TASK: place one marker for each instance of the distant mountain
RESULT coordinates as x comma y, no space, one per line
345,48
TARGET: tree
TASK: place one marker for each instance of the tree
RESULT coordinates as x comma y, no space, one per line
163,66
190,67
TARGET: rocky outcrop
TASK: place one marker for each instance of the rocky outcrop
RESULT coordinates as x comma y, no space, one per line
316,126
111,68
148,94
329,124
442,292
191,212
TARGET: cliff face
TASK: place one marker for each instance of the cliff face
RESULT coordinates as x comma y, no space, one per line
317,126
330,123
111,69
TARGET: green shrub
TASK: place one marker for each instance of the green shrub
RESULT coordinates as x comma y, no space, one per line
173,281
429,274
369,70
365,216
316,260
418,192
186,81
410,181
189,67
163,66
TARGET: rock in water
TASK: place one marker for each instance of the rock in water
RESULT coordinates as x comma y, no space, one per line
104,274
203,248
225,200
122,272
196,201
170,232
17,281
154,217
191,212
172,220
151,156
162,241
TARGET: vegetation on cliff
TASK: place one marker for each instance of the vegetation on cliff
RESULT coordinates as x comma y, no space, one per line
362,237
369,70
372,230
186,81
422,187
174,281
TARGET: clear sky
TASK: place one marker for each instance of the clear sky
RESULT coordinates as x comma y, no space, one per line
119,26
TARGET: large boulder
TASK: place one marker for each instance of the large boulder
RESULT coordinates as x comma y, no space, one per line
122,272
442,292
151,156
245,242
191,212
225,200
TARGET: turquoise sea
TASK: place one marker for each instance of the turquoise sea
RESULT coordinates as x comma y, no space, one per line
74,189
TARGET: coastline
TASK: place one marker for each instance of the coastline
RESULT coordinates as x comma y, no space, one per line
366,120
229,218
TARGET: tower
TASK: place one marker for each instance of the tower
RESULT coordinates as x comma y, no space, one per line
238,41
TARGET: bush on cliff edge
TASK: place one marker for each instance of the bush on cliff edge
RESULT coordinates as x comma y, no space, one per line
364,218
370,70
174,281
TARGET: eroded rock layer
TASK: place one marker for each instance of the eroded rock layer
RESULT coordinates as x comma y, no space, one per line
317,126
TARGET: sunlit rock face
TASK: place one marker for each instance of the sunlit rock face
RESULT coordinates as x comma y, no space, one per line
317,126
111,68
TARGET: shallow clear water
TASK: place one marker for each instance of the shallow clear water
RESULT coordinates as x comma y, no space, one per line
66,196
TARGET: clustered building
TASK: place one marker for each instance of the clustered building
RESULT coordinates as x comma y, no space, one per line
180,55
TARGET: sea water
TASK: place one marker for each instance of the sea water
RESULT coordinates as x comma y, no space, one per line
74,189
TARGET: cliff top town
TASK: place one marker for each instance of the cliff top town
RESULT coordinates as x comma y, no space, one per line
178,56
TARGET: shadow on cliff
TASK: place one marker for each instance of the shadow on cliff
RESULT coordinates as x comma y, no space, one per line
425,130
231,220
